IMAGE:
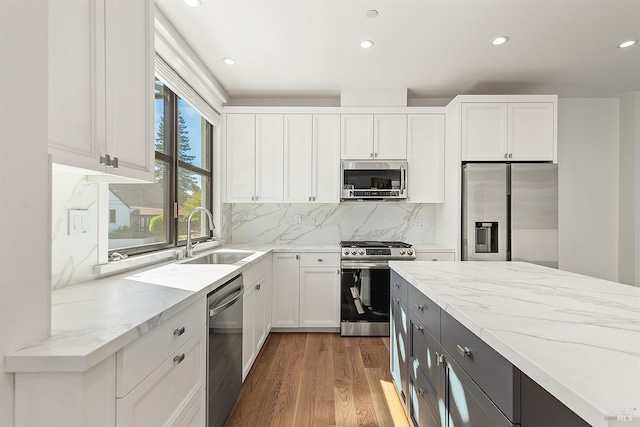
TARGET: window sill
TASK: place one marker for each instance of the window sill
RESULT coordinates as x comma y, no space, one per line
138,261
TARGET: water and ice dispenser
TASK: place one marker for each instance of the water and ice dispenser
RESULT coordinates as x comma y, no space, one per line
486,237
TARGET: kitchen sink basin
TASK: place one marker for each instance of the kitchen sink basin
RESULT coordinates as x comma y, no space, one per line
220,258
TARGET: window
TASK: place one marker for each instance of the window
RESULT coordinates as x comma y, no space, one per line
145,217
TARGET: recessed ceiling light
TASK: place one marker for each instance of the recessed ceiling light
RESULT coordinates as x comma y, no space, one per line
229,61
192,3
372,13
366,44
628,43
500,40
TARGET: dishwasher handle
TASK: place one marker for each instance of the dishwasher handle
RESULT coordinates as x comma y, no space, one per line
215,309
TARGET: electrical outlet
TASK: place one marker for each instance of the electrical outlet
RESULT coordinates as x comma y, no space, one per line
421,221
78,222
297,219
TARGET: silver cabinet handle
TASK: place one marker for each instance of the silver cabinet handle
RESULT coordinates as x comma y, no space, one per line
179,331
439,359
258,287
297,256
396,300
372,155
309,198
419,328
419,307
338,271
510,155
179,358
506,155
319,259
434,259
396,285
115,163
464,351
421,391
314,198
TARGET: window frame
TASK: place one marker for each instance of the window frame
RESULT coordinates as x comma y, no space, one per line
173,163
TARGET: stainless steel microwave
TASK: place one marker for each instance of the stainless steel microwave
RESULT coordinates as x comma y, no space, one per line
374,180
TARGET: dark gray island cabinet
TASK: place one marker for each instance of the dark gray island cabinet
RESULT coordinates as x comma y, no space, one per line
447,376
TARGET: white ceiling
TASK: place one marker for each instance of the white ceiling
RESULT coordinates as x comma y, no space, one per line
434,48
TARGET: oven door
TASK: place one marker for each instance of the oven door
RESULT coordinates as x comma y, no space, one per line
364,298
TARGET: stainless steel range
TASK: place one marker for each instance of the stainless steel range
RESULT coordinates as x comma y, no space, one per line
364,290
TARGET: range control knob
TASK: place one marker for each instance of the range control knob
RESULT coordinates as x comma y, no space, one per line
409,251
361,251
401,251
353,251
346,252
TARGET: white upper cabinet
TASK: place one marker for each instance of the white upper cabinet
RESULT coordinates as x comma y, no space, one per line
501,131
425,154
254,158
101,84
374,137
390,136
311,158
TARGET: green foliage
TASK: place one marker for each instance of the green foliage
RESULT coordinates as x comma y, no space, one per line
156,226
125,232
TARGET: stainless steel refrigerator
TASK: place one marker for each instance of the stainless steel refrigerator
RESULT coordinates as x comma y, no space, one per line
510,212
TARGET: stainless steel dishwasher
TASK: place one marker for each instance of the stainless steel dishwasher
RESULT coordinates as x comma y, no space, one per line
224,351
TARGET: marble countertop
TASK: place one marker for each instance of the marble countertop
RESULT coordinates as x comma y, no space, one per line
91,321
576,336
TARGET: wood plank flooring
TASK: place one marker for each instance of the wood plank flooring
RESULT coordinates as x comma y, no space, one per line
317,380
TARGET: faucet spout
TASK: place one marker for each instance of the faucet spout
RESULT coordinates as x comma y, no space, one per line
189,245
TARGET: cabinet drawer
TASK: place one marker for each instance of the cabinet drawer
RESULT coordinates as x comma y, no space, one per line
138,359
324,259
424,350
423,404
468,405
425,310
399,286
435,256
499,379
251,275
170,391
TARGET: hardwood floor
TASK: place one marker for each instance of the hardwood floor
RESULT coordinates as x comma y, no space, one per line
319,379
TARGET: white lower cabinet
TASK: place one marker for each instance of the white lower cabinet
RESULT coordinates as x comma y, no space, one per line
306,290
170,391
197,415
256,312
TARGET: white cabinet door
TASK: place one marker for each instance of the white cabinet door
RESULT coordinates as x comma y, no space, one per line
326,159
76,115
319,297
285,291
425,156
260,325
390,137
357,136
197,415
298,153
248,329
269,153
241,135
130,87
531,131
484,131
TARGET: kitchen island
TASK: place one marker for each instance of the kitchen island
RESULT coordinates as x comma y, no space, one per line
575,336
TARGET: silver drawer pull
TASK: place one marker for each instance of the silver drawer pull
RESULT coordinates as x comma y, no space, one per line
464,351
419,328
179,331
179,358
396,300
439,359
421,392
396,285
319,259
419,307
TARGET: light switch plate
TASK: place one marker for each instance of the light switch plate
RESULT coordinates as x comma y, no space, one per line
78,222
421,221
297,219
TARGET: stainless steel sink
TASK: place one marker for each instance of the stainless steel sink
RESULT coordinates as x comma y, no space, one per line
220,258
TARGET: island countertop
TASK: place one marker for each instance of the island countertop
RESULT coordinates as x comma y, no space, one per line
578,337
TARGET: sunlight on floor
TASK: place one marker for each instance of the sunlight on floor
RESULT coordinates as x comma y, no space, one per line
394,404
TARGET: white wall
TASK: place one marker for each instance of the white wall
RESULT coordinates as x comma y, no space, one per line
588,159
25,289
628,224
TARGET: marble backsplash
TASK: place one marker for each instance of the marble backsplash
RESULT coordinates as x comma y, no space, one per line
331,223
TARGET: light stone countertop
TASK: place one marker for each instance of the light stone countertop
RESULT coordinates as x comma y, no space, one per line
576,336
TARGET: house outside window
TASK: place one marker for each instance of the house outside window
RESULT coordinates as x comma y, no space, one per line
144,215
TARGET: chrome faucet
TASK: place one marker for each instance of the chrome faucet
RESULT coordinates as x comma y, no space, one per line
189,248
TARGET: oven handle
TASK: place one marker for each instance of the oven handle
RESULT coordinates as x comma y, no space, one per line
364,265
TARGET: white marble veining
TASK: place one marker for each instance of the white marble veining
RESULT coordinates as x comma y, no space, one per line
331,223
576,336
91,321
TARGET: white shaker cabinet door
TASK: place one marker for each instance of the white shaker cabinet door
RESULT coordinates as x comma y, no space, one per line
531,130
286,290
241,136
319,297
248,329
269,162
390,137
326,159
130,87
425,156
357,136
298,152
484,131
